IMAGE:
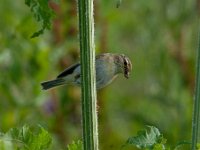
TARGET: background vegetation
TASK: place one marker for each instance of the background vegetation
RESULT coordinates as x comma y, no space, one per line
160,37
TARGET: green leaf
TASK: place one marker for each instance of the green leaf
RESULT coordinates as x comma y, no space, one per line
41,141
24,134
25,138
78,145
42,13
20,137
148,139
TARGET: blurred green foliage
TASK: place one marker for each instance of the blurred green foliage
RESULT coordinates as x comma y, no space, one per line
42,13
24,138
160,37
151,139
75,145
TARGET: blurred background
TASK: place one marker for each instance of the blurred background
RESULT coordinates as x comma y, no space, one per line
160,37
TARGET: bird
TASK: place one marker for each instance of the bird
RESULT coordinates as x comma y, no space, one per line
108,67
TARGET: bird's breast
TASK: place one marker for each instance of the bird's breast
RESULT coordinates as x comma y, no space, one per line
105,73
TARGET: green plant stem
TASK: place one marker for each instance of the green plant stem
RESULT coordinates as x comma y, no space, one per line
88,75
196,107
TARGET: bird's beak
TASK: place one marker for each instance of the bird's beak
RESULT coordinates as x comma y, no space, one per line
126,75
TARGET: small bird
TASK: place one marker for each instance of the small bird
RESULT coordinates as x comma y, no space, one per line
108,66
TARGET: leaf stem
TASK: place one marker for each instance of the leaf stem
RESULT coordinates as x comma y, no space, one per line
88,75
196,107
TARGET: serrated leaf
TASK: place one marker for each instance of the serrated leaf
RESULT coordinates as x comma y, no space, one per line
25,138
38,33
41,141
147,139
24,135
42,13
158,147
78,145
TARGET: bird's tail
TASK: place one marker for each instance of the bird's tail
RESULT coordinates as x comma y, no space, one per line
50,84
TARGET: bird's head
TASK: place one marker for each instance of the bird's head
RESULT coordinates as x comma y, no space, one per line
124,64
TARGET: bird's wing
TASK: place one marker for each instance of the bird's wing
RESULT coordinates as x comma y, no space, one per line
102,55
68,71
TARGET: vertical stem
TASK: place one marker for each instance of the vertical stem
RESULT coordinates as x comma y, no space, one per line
88,75
196,107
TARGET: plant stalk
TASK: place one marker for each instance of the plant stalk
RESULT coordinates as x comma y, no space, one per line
196,107
88,75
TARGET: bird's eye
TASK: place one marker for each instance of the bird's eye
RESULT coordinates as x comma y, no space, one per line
125,66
